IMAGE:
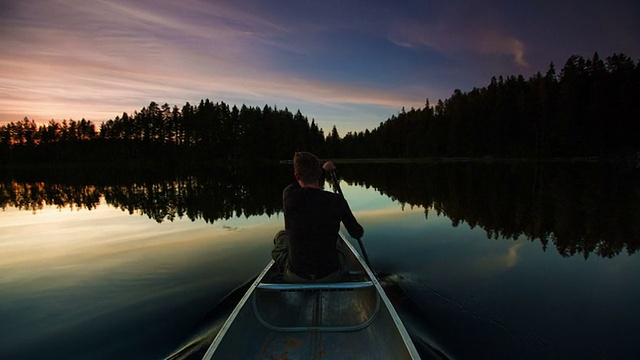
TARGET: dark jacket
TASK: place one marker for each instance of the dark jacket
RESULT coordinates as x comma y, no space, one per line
312,220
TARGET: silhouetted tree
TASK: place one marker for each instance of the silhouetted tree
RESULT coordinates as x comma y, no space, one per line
588,109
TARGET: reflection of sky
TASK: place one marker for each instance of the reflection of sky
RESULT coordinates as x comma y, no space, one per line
361,199
67,274
67,238
511,291
489,286
73,276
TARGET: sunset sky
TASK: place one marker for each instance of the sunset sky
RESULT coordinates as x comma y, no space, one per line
349,63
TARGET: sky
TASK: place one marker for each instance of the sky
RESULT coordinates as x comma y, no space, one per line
348,63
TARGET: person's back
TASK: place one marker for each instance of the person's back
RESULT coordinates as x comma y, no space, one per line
312,221
307,248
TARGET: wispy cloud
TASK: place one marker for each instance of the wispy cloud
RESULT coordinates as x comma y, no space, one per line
113,56
460,31
73,59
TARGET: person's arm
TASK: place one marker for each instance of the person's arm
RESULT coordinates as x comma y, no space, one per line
350,223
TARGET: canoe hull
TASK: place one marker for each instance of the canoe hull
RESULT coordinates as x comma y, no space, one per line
348,320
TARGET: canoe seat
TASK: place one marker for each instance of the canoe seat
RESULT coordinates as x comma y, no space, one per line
330,307
348,277
341,286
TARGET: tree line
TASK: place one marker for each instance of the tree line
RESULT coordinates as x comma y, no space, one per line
164,133
587,110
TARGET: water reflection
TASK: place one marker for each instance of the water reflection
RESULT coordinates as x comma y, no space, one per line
209,195
101,284
578,208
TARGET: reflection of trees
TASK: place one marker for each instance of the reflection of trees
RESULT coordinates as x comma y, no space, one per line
211,196
198,198
580,208
33,196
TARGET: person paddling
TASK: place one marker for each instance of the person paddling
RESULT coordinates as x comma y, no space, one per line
306,250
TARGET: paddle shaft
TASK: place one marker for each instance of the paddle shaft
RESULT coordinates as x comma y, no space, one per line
336,185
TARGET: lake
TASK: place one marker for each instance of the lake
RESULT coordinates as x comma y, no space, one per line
482,260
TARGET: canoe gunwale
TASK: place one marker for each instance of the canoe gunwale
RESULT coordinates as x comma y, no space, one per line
227,324
411,348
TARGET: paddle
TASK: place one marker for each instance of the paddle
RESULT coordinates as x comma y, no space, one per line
336,186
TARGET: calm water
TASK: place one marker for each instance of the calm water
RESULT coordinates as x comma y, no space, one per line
482,261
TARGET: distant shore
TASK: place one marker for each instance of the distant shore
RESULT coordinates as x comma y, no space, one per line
486,159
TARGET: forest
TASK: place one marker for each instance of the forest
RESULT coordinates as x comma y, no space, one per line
586,110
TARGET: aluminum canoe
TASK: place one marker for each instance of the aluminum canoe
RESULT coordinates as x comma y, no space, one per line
353,319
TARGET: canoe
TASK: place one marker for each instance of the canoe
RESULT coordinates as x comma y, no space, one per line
352,319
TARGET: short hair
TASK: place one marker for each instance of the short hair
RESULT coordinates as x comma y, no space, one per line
306,166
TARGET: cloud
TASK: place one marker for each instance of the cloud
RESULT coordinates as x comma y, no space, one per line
497,43
89,59
96,59
460,32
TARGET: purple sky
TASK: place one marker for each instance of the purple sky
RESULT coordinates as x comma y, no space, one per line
351,63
